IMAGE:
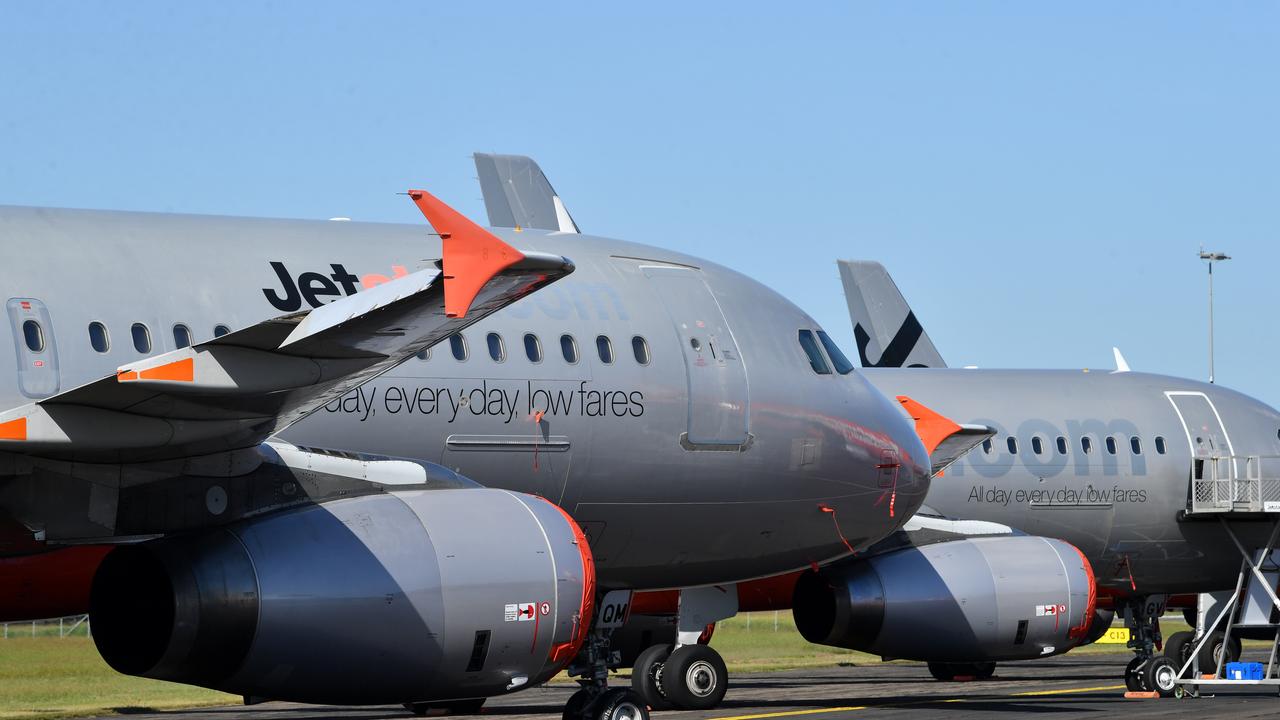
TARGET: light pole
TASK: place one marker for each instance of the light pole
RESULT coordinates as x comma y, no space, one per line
1212,257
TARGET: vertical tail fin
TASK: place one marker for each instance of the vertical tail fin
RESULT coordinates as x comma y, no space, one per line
517,194
886,330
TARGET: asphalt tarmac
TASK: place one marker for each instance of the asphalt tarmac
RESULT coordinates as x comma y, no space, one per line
1071,686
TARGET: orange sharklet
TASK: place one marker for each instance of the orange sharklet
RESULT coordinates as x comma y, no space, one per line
932,427
472,255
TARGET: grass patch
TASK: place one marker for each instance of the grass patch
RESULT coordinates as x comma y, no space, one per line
51,677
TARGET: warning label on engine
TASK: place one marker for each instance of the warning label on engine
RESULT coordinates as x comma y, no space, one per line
1043,610
519,612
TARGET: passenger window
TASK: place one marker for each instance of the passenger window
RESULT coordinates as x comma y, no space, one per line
605,349
1062,445
425,354
1013,445
569,348
843,366
640,349
34,336
497,350
1037,445
1111,445
986,446
1159,445
220,330
532,348
810,346
458,345
181,336
1086,444
141,338
1135,445
98,338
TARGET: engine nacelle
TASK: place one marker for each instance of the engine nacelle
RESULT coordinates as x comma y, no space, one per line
997,598
412,596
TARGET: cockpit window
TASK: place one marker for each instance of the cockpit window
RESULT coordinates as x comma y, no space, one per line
810,346
843,366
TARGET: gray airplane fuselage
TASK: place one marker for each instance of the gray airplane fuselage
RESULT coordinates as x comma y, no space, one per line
703,452
1121,501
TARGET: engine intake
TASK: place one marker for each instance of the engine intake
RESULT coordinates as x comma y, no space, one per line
979,599
406,597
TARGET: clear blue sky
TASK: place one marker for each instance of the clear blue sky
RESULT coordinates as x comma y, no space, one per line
1038,178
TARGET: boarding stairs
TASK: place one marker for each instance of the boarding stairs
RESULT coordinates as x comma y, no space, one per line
1234,484
1254,605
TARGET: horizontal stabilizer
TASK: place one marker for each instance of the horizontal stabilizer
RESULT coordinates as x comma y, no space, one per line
946,440
518,195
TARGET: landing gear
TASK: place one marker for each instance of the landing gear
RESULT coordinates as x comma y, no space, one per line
946,672
611,704
690,677
694,677
1156,673
646,676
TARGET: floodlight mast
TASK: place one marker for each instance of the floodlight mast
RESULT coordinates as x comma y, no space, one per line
1211,257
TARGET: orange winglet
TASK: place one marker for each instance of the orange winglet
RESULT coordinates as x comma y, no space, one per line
14,430
177,371
930,426
472,255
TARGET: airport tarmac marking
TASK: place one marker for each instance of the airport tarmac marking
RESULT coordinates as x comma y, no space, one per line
793,713
1066,691
819,711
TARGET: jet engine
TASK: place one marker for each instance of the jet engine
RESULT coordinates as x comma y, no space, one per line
402,597
977,599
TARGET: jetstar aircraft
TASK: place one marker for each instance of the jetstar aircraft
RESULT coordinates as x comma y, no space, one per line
964,591
293,473
1162,482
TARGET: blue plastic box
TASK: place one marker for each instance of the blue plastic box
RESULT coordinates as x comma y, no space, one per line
1244,671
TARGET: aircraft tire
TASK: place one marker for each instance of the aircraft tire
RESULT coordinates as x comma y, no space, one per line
470,706
1159,675
942,672
646,676
1179,647
1134,677
576,707
984,670
1209,653
619,704
694,677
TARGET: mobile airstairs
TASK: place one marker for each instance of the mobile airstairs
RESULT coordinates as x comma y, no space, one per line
1220,491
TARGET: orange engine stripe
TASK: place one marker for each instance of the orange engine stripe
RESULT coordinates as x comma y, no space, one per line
14,430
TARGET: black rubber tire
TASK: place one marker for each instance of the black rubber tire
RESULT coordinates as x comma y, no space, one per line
419,709
619,704
984,670
576,707
646,676
1159,674
1209,653
1189,614
694,677
1134,677
1179,647
942,672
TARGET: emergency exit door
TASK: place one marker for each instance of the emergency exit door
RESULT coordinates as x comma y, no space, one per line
717,379
37,354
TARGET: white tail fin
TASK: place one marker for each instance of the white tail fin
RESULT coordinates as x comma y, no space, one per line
886,330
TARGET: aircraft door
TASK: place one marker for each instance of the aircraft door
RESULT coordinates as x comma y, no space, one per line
37,354
717,378
1210,445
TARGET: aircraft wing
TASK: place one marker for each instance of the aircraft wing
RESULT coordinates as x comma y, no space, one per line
518,195
946,440
236,390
